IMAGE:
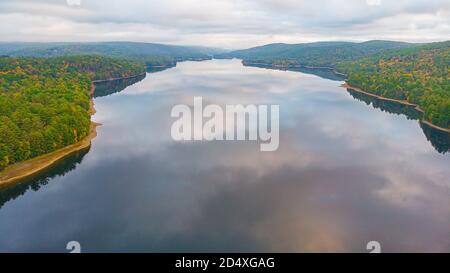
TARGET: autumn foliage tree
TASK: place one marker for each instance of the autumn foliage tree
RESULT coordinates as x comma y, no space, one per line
44,102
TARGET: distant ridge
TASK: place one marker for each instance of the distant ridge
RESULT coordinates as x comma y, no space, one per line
409,73
152,53
314,54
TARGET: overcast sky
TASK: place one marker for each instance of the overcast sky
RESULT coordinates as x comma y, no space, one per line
224,23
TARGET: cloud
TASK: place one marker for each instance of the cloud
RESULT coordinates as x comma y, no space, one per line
74,2
373,2
224,23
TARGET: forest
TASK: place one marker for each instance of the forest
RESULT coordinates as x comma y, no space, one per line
418,73
320,54
154,55
45,102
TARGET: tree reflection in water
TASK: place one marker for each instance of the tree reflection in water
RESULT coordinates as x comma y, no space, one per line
69,163
36,181
439,140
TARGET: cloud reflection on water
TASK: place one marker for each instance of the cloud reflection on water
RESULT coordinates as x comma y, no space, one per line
344,174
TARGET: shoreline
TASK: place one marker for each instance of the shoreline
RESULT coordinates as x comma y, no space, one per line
161,66
286,67
117,79
24,169
348,86
404,102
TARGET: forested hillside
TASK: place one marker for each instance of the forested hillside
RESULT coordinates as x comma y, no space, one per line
324,54
44,102
419,75
151,54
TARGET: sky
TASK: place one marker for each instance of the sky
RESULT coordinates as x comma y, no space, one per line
227,24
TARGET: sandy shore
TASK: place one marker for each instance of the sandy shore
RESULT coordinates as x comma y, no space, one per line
404,102
346,85
24,169
435,126
29,167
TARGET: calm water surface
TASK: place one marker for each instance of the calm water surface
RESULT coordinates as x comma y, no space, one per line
345,173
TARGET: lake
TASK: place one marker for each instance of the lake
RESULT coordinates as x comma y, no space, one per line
349,170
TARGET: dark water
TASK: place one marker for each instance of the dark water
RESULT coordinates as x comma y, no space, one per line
348,171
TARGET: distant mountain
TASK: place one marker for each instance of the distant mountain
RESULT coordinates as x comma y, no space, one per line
312,54
152,54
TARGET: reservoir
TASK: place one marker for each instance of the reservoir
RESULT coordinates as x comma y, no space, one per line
349,169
